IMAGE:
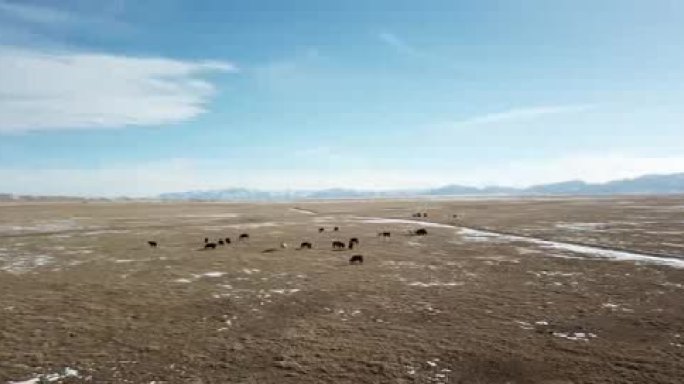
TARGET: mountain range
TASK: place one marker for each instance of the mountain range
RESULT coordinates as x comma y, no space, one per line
647,184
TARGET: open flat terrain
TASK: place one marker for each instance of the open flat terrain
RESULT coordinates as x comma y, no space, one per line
548,290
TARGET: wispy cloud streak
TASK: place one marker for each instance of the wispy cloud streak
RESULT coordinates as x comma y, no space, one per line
522,114
398,44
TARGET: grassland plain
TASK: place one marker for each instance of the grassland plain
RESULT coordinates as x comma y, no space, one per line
511,291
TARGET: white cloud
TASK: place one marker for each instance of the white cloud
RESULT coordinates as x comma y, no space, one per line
184,174
522,114
47,91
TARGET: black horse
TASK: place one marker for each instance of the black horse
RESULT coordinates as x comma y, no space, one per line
152,244
210,246
356,259
243,236
338,245
305,245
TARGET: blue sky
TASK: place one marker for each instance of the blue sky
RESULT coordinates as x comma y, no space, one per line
137,98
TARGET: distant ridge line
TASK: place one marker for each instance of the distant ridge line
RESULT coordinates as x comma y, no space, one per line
644,185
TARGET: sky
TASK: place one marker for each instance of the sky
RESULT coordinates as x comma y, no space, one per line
136,98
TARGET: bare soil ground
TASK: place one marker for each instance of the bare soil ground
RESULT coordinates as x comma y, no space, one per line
84,299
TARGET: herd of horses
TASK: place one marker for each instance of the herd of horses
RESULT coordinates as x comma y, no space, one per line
336,244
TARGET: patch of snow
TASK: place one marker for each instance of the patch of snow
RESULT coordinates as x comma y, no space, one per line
575,336
285,291
213,274
580,226
41,226
304,211
524,325
23,263
380,220
436,284
50,377
580,249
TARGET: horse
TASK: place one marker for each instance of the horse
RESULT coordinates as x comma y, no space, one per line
356,259
210,246
336,229
220,242
338,245
305,245
227,240
321,230
384,234
152,244
243,236
421,232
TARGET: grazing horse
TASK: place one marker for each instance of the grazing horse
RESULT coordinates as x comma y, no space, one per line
210,246
384,234
220,242
152,244
421,232
321,230
243,236
305,245
227,240
336,229
356,259
338,245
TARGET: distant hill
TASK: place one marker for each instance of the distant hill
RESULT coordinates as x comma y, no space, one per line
648,184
